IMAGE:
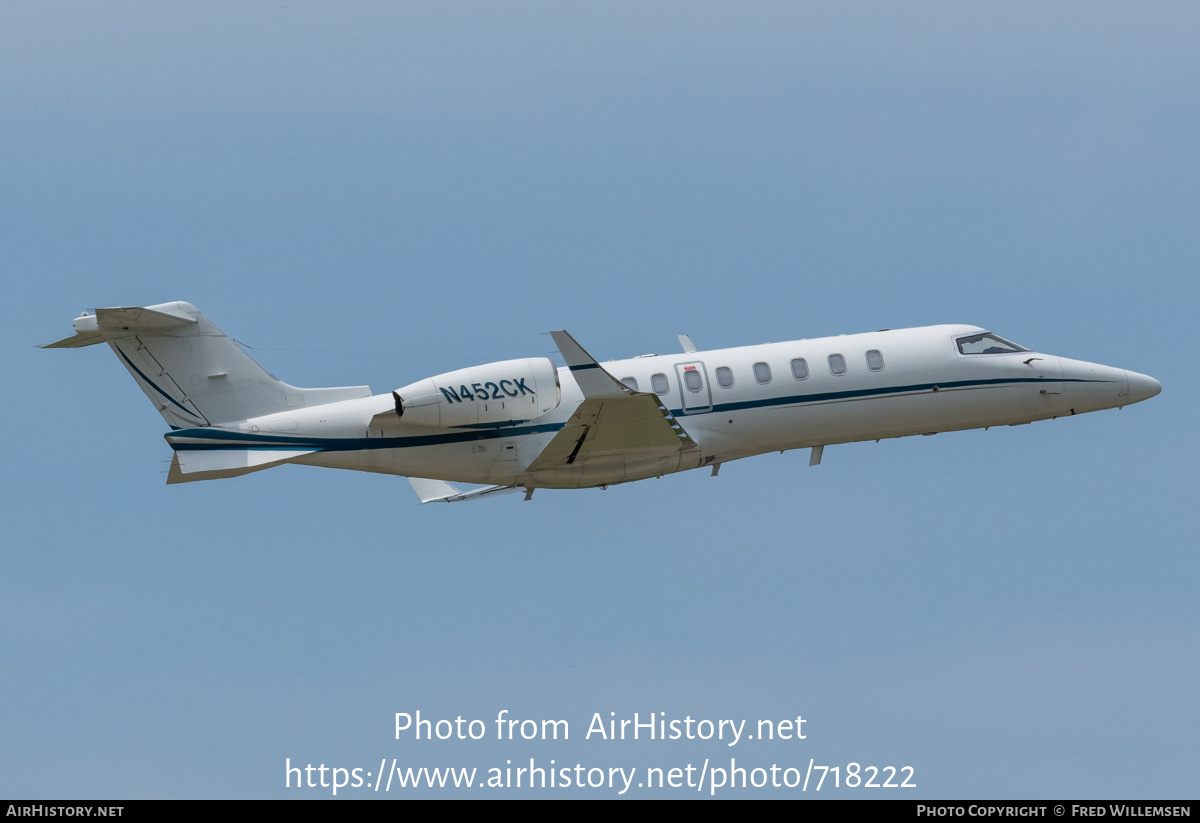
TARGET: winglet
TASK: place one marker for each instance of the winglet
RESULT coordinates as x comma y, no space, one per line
429,490
439,491
593,380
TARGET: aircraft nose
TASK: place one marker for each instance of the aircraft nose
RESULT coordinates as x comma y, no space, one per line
1141,386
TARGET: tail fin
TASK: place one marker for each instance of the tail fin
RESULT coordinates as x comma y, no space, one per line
191,371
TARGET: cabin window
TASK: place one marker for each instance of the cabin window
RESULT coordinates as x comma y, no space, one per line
691,379
630,382
762,373
659,383
800,368
987,343
875,360
837,364
724,376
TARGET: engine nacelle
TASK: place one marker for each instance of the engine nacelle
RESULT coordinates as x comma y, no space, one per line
510,391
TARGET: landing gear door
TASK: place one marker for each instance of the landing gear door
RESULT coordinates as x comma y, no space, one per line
693,387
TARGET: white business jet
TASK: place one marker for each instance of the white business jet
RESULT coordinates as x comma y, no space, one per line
520,425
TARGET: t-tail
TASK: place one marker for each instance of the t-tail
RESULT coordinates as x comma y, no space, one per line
193,373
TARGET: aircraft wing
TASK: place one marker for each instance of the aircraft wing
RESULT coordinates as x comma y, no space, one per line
612,419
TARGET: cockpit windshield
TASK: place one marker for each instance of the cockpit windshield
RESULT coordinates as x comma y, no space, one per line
987,343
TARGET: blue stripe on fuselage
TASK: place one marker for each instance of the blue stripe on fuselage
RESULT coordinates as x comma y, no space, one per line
854,394
255,440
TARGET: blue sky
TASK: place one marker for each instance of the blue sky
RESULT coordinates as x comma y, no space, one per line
379,193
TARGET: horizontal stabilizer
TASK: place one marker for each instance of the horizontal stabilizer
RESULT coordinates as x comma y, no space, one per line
210,464
118,323
193,373
439,491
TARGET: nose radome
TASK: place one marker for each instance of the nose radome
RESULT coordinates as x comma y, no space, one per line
1141,386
